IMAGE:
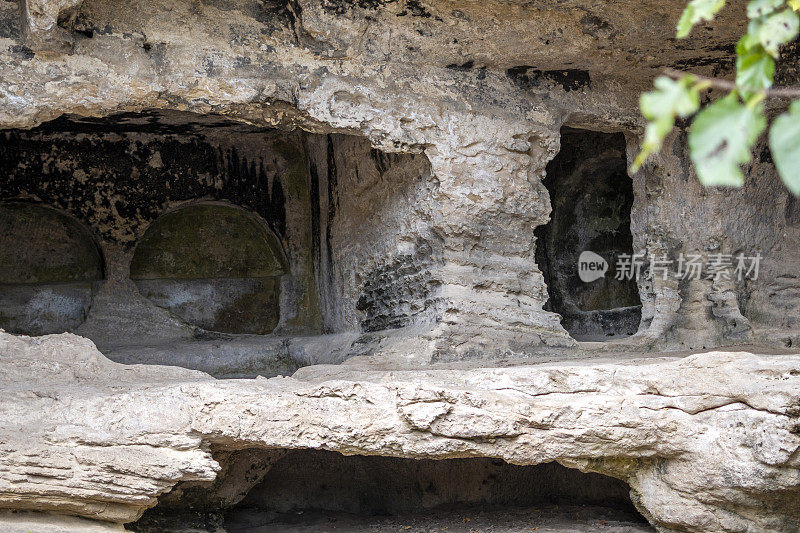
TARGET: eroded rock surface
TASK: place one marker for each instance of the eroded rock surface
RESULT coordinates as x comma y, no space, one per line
708,442
482,90
397,151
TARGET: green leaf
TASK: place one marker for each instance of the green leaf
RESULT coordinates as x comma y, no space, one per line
784,142
721,138
778,29
697,11
654,136
671,97
794,4
755,69
759,8
749,40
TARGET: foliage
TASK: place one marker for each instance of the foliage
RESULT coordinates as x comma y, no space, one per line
783,139
721,138
722,135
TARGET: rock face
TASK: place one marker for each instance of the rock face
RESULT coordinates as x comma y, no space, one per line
707,443
407,169
478,94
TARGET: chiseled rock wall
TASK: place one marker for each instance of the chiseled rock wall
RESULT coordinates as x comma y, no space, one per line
674,215
482,91
478,94
375,255
266,70
707,443
349,219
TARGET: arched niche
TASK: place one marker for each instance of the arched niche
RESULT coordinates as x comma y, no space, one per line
48,265
215,266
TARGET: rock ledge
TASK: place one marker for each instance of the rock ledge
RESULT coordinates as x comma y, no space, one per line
707,443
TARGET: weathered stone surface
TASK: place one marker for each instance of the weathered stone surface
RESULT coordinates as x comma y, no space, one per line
243,356
707,443
214,266
404,145
482,90
59,249
25,522
48,266
48,25
673,215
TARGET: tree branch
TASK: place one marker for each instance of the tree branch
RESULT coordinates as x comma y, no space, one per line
725,85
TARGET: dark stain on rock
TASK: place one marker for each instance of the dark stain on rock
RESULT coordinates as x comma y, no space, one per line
595,26
569,79
787,70
792,212
120,182
211,70
274,14
333,201
462,67
382,160
341,7
417,9
316,212
278,207
22,51
765,156
83,26
88,34
9,24
158,53
721,64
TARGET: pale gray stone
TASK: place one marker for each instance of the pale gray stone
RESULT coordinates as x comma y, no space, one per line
707,442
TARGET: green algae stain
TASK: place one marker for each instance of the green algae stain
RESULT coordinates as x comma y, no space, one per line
207,241
42,245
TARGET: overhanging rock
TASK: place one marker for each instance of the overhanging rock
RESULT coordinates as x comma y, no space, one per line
707,442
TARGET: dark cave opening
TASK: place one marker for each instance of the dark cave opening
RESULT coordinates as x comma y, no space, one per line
193,209
590,229
193,231
314,490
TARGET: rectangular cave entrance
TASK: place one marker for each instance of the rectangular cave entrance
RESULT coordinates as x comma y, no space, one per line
304,490
194,240
590,226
